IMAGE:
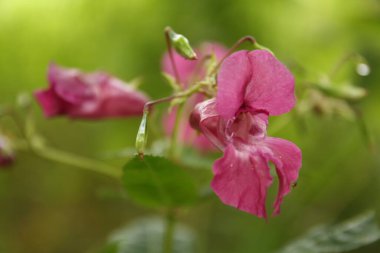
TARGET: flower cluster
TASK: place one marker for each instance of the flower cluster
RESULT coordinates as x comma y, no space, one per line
244,90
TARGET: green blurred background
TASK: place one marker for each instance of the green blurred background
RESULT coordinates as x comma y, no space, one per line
49,207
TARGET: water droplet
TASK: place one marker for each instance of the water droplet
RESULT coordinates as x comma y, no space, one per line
363,69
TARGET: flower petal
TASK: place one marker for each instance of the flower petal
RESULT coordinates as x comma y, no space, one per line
116,99
206,119
202,143
287,158
233,77
51,104
119,99
188,135
241,180
74,86
94,95
213,48
271,87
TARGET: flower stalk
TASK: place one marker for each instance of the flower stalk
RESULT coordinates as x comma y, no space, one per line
170,51
76,161
34,142
169,231
173,151
250,39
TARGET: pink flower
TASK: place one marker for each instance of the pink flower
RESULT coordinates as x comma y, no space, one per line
189,71
6,151
251,86
94,95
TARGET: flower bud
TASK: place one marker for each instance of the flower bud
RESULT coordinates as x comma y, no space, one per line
94,95
142,134
181,45
345,91
352,92
195,119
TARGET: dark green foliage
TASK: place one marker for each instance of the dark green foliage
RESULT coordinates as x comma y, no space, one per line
343,237
158,182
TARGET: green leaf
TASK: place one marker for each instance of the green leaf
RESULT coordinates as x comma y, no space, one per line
110,248
158,182
352,234
145,236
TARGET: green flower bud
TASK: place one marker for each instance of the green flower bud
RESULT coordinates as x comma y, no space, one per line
351,92
142,134
181,44
345,91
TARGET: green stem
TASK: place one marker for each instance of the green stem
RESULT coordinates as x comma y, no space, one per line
364,130
33,141
183,94
173,152
169,232
75,160
170,217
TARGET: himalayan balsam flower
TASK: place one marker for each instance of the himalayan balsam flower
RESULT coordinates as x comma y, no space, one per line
6,151
94,95
189,71
252,85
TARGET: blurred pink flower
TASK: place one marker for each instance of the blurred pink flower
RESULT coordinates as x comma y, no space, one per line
6,151
251,86
94,95
189,71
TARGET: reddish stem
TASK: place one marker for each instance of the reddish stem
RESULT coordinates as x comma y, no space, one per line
171,56
233,48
